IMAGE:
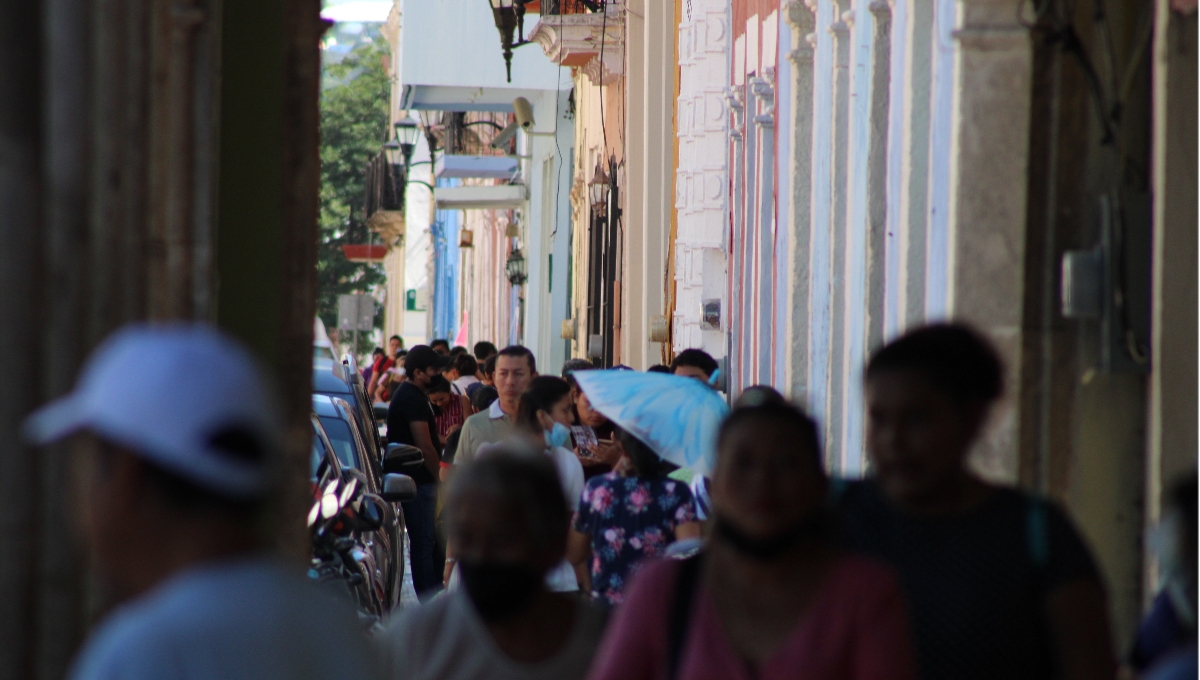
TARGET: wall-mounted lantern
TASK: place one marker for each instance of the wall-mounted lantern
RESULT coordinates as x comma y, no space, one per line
515,267
407,133
394,155
509,15
598,189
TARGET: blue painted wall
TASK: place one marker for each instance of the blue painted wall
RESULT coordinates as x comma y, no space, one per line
446,279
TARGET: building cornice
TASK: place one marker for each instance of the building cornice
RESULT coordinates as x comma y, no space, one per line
594,43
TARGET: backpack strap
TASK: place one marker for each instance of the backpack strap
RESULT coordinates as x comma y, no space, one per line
680,613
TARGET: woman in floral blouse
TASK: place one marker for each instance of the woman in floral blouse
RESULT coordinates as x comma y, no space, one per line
627,516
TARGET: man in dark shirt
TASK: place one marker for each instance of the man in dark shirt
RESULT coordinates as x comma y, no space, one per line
411,421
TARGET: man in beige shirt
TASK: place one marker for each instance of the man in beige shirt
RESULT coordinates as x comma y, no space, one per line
515,367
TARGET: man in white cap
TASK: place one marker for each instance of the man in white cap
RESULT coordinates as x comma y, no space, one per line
171,479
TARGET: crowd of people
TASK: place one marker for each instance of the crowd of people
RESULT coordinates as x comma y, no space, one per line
547,541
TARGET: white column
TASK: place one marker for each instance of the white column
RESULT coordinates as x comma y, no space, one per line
908,181
701,180
941,123
802,17
821,226
764,93
989,160
835,398
1172,426
632,317
394,300
660,169
877,190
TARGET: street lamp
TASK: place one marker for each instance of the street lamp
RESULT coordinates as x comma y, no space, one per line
392,149
515,267
598,190
509,15
407,133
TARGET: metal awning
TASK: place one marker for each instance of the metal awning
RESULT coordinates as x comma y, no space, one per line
481,198
489,167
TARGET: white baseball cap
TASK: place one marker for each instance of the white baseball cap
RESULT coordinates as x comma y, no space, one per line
169,392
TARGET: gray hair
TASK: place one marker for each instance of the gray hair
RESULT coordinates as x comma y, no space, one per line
526,479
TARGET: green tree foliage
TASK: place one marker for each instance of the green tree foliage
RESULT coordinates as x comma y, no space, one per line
354,120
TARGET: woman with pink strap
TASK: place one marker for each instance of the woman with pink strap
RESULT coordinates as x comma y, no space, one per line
771,598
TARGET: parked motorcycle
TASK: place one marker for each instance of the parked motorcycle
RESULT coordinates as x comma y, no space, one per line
342,512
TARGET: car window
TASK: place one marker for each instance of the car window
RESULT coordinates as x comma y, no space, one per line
318,459
342,440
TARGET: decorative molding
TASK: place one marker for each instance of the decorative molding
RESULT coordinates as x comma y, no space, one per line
802,55
733,95
800,15
881,8
763,90
595,43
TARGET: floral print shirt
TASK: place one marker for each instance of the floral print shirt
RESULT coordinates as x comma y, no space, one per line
629,519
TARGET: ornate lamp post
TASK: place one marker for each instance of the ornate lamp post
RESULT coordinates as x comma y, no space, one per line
515,267
392,149
407,133
598,190
509,15
400,148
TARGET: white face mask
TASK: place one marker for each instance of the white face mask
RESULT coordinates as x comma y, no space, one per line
558,436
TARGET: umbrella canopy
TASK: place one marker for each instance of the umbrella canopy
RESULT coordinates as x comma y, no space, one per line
677,417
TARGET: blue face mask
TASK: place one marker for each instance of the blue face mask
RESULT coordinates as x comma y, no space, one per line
559,435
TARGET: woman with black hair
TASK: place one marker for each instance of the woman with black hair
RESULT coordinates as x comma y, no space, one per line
999,583
627,516
771,597
544,417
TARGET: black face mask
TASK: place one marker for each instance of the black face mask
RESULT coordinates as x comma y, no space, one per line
499,591
770,548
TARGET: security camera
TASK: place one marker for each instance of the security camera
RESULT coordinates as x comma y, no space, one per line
501,138
524,111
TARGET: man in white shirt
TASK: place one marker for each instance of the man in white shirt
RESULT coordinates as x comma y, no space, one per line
171,479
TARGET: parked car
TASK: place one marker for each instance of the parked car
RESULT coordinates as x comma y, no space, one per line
336,420
343,381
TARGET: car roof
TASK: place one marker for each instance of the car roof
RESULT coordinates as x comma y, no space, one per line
332,407
327,378
323,406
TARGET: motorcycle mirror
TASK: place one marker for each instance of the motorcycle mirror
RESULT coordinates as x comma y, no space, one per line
329,505
398,488
371,514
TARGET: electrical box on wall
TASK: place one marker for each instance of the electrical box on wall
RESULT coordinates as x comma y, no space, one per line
710,315
1109,283
595,346
416,299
